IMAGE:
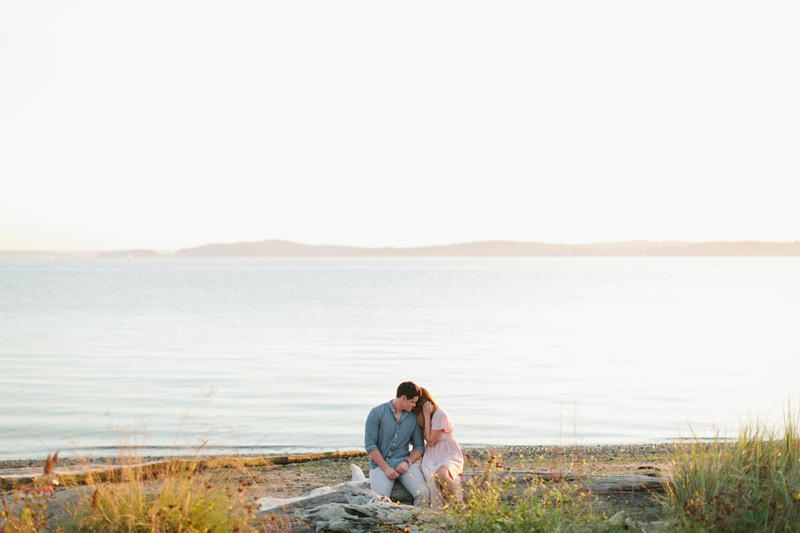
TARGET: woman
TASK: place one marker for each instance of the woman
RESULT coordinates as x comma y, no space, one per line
443,461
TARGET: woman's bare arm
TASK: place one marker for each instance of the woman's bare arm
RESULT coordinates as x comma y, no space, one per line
431,435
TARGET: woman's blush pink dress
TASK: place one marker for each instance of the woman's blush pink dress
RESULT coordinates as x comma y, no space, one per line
444,452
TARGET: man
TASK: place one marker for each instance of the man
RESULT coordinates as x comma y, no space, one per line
390,428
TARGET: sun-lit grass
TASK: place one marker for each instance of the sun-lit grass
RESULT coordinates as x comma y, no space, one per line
25,510
751,484
176,498
180,498
493,503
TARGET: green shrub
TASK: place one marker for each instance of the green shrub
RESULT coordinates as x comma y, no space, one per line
493,505
24,510
749,485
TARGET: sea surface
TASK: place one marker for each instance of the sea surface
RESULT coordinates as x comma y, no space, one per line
289,355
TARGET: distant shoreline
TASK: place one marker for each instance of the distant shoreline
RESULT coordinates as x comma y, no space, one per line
275,248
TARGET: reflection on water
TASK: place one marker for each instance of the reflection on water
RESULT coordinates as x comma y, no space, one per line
520,351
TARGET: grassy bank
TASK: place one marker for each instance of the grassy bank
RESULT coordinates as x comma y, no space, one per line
750,484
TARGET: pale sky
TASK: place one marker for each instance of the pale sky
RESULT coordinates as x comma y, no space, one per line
165,124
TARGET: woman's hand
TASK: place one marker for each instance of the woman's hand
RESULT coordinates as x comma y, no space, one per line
428,409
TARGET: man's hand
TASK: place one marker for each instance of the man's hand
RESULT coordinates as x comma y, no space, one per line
390,472
402,467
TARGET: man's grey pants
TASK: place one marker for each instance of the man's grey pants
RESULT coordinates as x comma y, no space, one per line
412,480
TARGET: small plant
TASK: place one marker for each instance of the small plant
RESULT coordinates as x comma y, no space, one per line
752,484
181,498
492,504
26,510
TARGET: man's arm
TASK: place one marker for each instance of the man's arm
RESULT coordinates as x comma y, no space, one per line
415,454
390,472
371,433
417,441
401,468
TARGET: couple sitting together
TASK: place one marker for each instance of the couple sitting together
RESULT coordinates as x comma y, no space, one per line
405,420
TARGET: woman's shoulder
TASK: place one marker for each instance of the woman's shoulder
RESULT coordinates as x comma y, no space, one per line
441,414
441,420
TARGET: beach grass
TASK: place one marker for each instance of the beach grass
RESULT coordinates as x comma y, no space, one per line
750,484
491,504
181,497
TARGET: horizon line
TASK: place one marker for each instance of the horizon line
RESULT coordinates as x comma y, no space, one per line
378,247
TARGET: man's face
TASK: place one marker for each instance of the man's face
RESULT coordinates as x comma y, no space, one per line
406,404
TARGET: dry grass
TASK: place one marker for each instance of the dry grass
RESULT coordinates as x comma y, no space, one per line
493,503
25,510
749,485
178,498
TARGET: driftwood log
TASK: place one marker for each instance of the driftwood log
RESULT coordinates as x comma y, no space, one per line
347,507
341,493
598,483
344,508
81,474
364,511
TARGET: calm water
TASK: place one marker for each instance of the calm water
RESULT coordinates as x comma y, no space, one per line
520,351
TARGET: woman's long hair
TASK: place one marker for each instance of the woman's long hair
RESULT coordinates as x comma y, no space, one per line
423,398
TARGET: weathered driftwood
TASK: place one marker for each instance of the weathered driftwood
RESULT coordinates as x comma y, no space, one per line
347,507
365,511
341,493
321,496
599,483
627,483
82,474
236,462
370,517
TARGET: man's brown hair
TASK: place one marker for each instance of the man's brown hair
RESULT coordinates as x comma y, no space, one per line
408,389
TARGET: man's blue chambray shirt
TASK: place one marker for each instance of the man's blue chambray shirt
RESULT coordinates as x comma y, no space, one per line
385,433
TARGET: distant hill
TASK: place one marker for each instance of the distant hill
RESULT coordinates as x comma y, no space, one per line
46,255
281,248
129,254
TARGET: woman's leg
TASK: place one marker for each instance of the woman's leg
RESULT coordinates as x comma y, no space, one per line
448,484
